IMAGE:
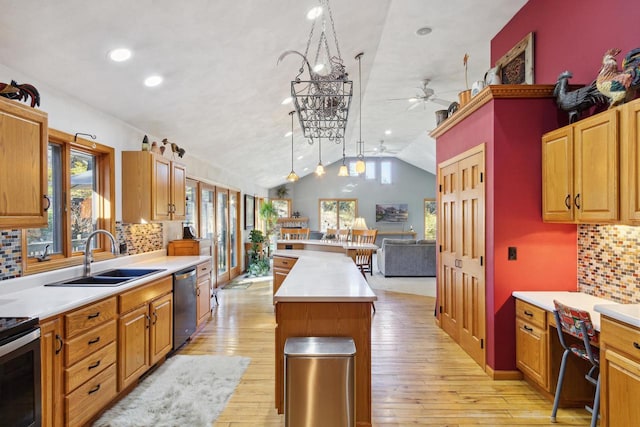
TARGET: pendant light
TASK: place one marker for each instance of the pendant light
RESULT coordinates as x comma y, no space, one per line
360,164
344,171
319,168
292,177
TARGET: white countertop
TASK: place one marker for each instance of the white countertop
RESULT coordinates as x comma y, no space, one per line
627,313
331,243
544,300
323,277
28,297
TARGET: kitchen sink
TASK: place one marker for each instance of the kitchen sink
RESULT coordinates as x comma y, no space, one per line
115,277
128,272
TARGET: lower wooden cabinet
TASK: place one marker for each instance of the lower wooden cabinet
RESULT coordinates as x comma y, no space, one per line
203,292
281,267
619,374
51,346
531,343
145,329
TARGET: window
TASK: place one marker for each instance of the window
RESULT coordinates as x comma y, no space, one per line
337,213
429,219
352,168
191,194
385,172
80,187
283,207
370,171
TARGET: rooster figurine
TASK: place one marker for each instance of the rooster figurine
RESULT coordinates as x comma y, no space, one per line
619,86
21,92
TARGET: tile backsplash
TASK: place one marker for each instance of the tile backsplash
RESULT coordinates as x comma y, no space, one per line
139,238
608,262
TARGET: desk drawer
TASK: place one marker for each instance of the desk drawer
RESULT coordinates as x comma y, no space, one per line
531,314
621,337
284,262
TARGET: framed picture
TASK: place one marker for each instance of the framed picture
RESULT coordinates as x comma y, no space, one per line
249,212
516,66
396,212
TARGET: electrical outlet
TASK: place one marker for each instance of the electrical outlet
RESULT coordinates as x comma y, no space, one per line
123,248
513,253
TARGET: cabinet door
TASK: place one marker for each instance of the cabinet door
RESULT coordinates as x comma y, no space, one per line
279,275
51,371
133,346
557,175
23,144
203,305
596,168
630,163
620,390
531,351
161,334
178,191
161,188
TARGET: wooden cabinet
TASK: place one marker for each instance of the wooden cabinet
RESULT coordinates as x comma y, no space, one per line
630,163
154,188
619,374
184,247
145,329
580,171
461,263
203,292
531,342
51,346
89,360
23,144
281,267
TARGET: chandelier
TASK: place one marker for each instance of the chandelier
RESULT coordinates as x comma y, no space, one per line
322,102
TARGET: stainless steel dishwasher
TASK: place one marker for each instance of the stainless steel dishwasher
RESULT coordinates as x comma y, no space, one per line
184,305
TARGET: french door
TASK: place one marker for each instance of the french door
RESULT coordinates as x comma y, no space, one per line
227,234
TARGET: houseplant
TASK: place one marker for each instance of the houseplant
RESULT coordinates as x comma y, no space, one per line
258,261
269,215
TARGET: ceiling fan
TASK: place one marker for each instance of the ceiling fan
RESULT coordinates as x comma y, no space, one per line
381,149
427,95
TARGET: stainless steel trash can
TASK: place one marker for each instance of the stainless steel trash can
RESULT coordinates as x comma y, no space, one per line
319,377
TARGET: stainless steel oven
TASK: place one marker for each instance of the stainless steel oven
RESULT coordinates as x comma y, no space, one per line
20,390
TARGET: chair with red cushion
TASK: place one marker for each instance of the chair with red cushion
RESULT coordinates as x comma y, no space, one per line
577,323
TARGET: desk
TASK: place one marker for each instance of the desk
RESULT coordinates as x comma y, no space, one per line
538,349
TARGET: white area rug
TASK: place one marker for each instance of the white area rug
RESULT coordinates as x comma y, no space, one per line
185,391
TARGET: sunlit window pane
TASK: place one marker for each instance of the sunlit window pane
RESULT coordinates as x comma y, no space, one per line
385,172
338,214
370,172
84,199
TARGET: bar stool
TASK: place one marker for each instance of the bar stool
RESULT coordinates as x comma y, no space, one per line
577,323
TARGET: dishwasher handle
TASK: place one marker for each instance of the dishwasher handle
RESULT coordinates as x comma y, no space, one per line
184,275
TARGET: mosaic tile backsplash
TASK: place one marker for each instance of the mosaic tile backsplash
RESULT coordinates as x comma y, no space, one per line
139,238
609,261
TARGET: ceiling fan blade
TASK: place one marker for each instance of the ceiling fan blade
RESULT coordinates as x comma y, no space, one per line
399,99
415,105
440,102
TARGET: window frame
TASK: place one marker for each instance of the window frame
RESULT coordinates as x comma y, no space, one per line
432,202
105,182
337,204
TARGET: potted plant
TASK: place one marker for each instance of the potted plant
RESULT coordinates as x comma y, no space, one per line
258,262
269,215
465,95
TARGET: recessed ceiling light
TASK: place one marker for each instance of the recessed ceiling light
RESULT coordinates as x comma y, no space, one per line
120,54
423,31
314,13
318,67
305,169
288,134
153,81
413,99
300,157
387,132
287,100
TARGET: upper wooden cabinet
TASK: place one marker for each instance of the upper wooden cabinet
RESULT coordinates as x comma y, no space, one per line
23,166
580,171
153,188
630,163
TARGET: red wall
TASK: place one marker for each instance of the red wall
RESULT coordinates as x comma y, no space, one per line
571,35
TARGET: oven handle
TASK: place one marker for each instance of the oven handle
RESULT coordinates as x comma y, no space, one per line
20,342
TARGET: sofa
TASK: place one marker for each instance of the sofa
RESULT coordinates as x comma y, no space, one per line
407,257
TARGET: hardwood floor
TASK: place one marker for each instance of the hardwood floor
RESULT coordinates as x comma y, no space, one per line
419,375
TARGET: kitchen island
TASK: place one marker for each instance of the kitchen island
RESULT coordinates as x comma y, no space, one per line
325,295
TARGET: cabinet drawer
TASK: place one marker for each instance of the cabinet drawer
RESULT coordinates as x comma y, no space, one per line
621,337
91,397
531,351
145,293
204,269
86,318
89,367
93,340
284,262
536,316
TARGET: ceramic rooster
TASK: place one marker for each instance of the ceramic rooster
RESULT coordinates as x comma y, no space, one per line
619,86
21,92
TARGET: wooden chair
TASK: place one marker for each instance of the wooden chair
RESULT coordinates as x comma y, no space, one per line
577,323
364,256
294,234
343,234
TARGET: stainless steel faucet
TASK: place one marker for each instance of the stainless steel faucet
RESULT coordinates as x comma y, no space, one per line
88,257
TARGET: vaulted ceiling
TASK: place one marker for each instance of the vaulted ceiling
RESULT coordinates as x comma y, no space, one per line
222,90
